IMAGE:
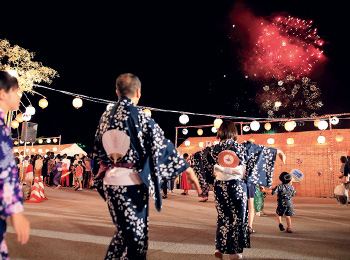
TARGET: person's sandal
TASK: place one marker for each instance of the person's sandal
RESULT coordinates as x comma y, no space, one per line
289,230
204,200
251,230
281,227
164,196
218,254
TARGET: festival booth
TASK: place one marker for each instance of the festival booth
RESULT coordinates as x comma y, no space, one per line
314,153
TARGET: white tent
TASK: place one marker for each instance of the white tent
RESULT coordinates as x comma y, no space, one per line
72,150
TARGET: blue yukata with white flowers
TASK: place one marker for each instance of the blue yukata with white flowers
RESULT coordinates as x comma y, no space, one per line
155,159
231,201
10,189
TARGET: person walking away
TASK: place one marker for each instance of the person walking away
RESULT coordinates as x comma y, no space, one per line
285,192
134,157
10,188
233,165
184,184
79,176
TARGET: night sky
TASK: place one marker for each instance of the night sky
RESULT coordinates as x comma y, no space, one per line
184,52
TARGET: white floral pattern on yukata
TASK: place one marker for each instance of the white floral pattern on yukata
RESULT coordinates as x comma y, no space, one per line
231,196
285,192
10,189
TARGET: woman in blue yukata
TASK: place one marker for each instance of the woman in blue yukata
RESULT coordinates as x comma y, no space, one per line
10,190
134,158
234,165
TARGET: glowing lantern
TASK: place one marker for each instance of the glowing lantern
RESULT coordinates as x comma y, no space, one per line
40,150
187,143
19,117
184,131
15,142
334,120
55,140
77,103
14,124
246,128
33,150
290,141
289,126
339,138
40,141
15,150
26,117
184,119
48,141
47,150
43,103
216,142
267,126
321,139
54,149
148,112
217,123
109,106
316,122
30,110
200,131
214,129
254,125
270,141
201,144
322,125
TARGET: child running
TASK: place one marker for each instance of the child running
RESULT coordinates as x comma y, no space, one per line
285,192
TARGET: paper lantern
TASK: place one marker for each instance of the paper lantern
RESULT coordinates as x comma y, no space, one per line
48,141
322,125
289,126
267,126
40,141
184,119
43,103
270,141
30,110
54,149
290,140
339,138
200,131
321,139
14,124
148,112
33,150
255,125
40,150
316,122
19,117
184,131
246,128
15,150
47,150
187,143
77,103
214,129
15,142
26,117
334,120
217,123
201,144
55,140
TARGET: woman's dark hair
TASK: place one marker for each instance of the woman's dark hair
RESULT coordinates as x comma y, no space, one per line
285,177
343,159
7,82
227,130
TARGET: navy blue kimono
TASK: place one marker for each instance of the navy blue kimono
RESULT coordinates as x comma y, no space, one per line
231,196
155,158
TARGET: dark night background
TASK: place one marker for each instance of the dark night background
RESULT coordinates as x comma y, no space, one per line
184,52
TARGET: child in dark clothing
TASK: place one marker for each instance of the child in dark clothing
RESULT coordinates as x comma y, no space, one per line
285,192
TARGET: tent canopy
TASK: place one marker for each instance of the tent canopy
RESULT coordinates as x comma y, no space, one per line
72,150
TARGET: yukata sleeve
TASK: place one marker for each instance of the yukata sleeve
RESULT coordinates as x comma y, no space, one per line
275,190
260,164
292,191
10,189
165,160
203,163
